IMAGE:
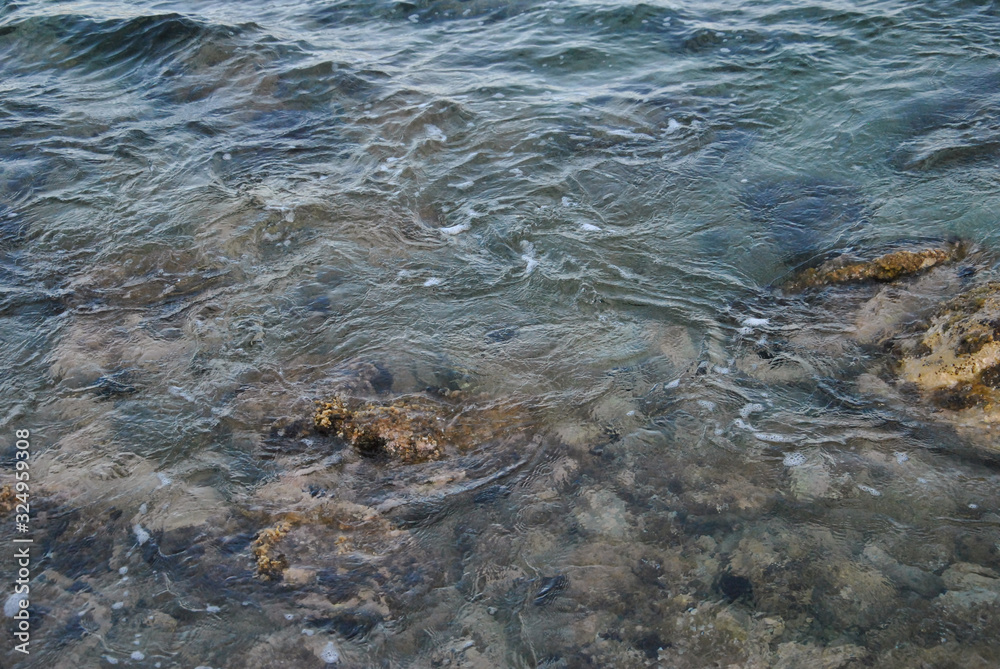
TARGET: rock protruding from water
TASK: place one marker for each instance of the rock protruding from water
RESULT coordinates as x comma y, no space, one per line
415,428
886,268
957,360
399,430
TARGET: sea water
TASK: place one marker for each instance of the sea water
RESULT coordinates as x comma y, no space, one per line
572,216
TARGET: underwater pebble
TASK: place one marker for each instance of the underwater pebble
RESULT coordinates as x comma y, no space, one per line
143,508
141,535
672,384
118,605
123,570
13,604
308,632
110,660
138,655
871,491
973,506
211,608
902,457
330,654
164,479
794,459
227,156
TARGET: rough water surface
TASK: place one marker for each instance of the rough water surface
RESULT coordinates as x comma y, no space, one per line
533,254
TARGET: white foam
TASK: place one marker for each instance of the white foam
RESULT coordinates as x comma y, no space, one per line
742,424
589,227
177,391
462,185
455,229
755,322
528,257
773,437
794,459
138,655
708,405
748,409
672,384
871,491
673,125
566,202
164,479
901,457
435,133
141,535
227,156
330,654
211,608
433,281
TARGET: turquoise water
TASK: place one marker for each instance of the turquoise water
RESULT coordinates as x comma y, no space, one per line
576,213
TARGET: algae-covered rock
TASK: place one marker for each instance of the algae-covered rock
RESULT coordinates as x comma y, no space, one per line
416,428
956,361
885,268
270,563
401,431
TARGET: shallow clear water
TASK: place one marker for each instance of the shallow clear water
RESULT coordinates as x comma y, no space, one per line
569,216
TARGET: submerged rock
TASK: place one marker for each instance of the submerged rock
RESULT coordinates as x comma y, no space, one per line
7,499
802,215
270,563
